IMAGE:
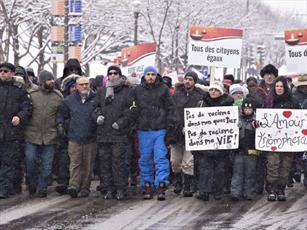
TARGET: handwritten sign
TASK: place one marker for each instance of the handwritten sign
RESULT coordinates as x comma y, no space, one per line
282,130
211,128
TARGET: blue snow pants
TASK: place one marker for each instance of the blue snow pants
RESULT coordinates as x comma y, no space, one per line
153,162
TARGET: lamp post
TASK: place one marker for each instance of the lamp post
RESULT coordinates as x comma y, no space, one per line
136,13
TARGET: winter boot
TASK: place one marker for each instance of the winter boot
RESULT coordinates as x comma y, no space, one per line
147,193
187,184
178,183
203,196
161,191
32,189
281,193
271,192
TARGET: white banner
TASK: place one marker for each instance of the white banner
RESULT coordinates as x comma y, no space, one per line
282,130
219,47
296,50
211,128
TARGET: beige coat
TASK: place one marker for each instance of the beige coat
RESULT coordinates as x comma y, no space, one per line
41,129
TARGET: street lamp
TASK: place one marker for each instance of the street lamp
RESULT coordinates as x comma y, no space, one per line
136,11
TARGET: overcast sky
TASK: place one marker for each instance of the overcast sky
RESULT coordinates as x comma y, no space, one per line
299,6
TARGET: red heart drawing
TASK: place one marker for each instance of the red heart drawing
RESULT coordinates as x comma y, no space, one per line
304,131
287,114
273,148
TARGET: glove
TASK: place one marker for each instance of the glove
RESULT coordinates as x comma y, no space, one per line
100,120
115,126
256,124
61,130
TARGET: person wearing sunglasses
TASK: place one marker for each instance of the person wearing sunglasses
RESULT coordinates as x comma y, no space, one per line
155,115
111,114
15,111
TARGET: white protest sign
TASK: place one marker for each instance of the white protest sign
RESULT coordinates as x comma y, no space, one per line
281,130
211,128
296,50
219,47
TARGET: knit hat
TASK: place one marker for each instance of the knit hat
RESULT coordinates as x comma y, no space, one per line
150,69
235,88
217,85
8,65
269,69
44,76
192,74
249,103
30,71
116,68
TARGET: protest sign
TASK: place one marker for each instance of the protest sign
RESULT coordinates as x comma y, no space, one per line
296,50
135,58
282,130
219,47
211,128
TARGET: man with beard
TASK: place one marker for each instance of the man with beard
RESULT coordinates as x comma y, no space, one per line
41,134
15,111
77,109
186,96
155,115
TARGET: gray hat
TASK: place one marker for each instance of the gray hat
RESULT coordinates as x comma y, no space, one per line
44,76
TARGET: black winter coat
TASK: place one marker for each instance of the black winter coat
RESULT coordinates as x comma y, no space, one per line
117,111
247,134
299,95
14,101
185,99
155,107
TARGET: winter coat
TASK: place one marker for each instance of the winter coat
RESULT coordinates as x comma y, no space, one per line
155,107
41,129
14,101
246,134
81,127
116,110
224,100
185,99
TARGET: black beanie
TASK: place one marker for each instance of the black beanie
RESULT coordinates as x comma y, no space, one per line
116,68
20,71
168,81
8,65
269,69
44,76
193,75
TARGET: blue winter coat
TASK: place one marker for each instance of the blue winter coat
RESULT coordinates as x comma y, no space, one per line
81,128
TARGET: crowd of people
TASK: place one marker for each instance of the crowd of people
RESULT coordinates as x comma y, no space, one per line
110,127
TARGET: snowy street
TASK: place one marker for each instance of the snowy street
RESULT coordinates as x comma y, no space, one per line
62,212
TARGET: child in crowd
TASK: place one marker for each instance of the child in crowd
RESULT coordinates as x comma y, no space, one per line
244,168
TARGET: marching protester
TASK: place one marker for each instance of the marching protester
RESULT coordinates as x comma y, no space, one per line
15,111
155,115
76,109
186,96
279,164
68,87
212,162
41,134
244,165
113,124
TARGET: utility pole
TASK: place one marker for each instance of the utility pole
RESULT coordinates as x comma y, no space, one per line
66,36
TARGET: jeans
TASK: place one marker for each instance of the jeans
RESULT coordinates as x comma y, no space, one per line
39,159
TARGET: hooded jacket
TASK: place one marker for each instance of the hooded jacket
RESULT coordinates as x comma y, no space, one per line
71,63
155,107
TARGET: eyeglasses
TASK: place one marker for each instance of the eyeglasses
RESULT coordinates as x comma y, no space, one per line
5,70
150,74
113,73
